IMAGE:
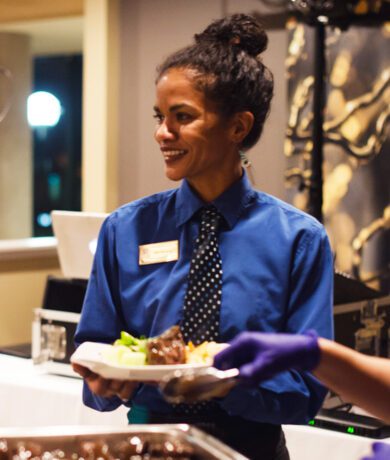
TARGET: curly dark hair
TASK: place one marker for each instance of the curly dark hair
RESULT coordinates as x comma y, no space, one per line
229,70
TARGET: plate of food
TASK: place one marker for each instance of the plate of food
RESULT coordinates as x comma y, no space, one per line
145,359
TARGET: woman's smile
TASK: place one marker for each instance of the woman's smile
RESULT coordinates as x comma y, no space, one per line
171,154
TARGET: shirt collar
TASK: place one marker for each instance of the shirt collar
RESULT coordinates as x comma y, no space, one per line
230,203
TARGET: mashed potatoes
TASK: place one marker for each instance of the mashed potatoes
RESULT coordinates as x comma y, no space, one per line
203,353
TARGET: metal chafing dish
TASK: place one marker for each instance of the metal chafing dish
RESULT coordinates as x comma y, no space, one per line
135,442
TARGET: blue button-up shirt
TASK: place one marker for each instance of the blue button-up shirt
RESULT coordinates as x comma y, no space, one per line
277,276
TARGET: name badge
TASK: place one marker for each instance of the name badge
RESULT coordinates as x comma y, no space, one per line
156,253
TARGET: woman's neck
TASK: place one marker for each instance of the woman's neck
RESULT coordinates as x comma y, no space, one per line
208,189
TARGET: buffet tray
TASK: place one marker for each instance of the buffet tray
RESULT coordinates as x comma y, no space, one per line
71,440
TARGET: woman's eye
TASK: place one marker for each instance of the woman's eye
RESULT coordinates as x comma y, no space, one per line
158,117
183,117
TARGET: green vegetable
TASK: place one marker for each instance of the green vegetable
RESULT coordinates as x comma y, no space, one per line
135,344
124,356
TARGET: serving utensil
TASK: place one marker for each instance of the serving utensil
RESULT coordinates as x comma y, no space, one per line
192,385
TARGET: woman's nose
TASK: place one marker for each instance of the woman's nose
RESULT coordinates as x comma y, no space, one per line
164,132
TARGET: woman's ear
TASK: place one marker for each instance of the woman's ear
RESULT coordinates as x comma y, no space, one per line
242,123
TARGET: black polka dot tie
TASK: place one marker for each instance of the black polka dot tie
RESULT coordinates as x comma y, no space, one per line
204,291
202,301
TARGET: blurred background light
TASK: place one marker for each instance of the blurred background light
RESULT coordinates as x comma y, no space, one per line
43,109
44,219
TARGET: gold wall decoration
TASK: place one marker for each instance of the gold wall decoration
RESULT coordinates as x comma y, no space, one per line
356,168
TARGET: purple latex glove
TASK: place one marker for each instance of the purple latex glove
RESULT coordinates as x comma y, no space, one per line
380,451
259,356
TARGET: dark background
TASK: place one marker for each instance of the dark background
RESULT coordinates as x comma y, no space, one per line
57,149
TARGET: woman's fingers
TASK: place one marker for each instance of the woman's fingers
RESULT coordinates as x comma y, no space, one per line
81,370
126,391
106,388
99,385
116,386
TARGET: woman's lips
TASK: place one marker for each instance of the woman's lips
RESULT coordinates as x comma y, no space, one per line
171,155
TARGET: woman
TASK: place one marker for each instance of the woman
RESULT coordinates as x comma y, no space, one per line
268,265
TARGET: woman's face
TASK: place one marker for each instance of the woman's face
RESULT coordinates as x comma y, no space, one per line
194,138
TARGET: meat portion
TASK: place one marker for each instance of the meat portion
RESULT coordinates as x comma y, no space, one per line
167,348
139,447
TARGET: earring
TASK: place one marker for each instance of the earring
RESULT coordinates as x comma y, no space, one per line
246,164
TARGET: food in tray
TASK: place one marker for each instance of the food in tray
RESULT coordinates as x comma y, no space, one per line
167,348
134,447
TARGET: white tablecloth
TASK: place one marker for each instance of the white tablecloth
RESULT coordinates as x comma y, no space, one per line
309,443
30,397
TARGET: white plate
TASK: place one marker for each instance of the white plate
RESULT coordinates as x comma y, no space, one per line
89,354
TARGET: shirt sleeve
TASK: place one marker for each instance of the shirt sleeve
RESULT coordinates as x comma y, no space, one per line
101,319
295,397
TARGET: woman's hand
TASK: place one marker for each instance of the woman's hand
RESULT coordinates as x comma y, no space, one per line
106,388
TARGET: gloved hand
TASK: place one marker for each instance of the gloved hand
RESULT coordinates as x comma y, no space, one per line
381,451
259,356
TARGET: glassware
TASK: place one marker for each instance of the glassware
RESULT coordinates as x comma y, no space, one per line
53,341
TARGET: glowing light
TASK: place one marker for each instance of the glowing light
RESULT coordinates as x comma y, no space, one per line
43,109
323,19
44,219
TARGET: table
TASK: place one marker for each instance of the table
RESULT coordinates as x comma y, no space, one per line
310,443
30,397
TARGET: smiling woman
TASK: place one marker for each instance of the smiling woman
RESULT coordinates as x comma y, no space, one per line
234,258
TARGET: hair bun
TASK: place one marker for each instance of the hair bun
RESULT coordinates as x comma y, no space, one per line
239,30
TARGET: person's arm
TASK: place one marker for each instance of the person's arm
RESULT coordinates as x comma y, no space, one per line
101,321
361,379
295,396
